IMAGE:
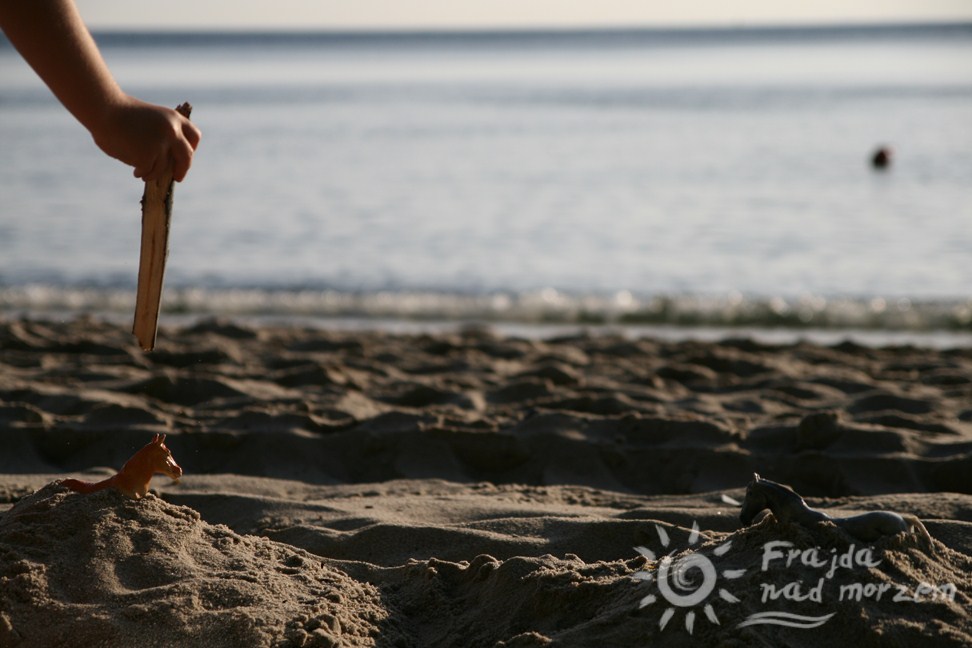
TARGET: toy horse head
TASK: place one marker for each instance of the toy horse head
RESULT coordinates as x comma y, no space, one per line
164,462
782,501
755,500
153,458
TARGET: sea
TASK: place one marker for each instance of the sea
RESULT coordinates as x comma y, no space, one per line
616,177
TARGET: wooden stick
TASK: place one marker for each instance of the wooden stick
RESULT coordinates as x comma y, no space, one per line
156,217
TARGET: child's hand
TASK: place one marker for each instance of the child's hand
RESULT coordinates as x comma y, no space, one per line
150,138
52,38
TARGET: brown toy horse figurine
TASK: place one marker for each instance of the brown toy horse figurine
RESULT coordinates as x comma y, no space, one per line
134,477
787,506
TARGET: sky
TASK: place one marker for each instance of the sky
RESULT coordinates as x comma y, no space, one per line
484,14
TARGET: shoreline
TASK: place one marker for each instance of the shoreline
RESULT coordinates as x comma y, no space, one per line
769,335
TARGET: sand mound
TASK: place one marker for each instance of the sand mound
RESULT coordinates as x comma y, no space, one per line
104,569
546,600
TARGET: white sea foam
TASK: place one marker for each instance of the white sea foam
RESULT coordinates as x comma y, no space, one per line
547,306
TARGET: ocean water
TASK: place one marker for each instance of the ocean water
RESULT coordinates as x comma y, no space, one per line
677,177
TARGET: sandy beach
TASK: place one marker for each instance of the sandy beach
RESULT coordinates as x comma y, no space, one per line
468,489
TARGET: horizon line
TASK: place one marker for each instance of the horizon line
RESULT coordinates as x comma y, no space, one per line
351,30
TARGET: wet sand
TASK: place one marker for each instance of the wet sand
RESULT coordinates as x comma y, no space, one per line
468,489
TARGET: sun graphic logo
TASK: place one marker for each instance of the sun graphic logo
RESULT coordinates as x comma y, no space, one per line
687,581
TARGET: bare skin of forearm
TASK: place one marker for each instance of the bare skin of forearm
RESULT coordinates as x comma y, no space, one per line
50,35
53,39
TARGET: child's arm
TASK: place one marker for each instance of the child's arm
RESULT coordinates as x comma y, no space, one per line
50,35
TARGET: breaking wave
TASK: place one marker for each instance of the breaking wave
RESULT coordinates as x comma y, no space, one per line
547,306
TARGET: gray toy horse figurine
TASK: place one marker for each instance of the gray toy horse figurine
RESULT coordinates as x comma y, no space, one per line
787,506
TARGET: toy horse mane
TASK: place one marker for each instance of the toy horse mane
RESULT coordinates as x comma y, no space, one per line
772,484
